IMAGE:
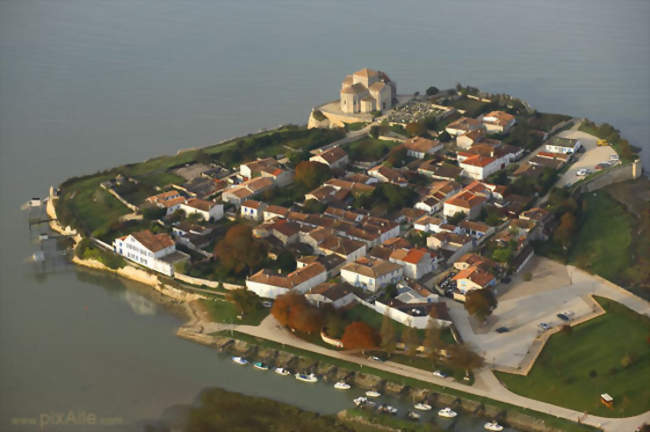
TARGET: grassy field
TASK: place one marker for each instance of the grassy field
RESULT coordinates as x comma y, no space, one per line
224,311
551,421
368,149
602,244
574,369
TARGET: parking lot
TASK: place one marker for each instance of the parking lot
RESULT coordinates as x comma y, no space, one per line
524,305
592,156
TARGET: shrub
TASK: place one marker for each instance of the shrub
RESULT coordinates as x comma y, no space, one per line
593,373
627,360
528,276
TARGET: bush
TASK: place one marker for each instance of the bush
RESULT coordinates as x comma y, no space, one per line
593,374
627,360
528,276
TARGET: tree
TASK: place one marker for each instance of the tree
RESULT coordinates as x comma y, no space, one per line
246,301
282,306
564,232
480,303
333,323
411,341
387,334
432,339
432,90
311,174
462,357
456,218
375,131
397,156
152,212
359,335
314,206
239,251
305,318
286,261
418,128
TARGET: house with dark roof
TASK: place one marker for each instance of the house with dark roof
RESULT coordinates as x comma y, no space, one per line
334,157
330,293
269,284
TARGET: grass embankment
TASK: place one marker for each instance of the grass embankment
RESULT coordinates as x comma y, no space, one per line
84,205
224,311
221,410
264,343
575,368
368,149
602,243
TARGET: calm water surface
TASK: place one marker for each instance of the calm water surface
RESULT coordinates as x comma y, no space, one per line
86,85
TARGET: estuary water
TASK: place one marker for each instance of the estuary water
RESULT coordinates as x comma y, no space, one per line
86,85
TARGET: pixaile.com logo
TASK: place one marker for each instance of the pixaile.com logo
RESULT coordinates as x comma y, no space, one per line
73,418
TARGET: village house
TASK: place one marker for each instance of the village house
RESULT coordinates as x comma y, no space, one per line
437,194
478,230
469,201
439,170
462,126
416,315
366,91
371,273
386,174
269,284
334,157
252,210
275,211
346,248
498,122
332,263
467,140
450,241
415,262
419,147
286,232
208,210
246,190
473,278
267,167
562,145
428,224
191,234
330,293
480,167
155,251
170,200
472,259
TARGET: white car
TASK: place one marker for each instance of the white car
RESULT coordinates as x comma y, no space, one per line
582,172
440,374
613,158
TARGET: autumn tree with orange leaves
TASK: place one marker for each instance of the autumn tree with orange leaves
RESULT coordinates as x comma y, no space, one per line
359,335
292,310
239,252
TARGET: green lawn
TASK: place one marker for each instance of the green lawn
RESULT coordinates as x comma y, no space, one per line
368,149
563,373
225,312
602,244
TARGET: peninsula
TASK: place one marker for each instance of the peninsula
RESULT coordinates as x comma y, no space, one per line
454,245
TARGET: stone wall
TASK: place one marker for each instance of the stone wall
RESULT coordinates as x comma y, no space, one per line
617,174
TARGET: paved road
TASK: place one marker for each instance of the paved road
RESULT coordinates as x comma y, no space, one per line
589,159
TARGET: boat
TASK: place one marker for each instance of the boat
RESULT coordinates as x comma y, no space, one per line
360,401
493,426
281,371
240,360
342,385
260,365
413,415
373,394
309,378
390,410
447,413
422,406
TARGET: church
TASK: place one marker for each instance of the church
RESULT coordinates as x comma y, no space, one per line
366,91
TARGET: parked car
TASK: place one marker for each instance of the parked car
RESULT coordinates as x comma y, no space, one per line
502,330
375,358
613,158
544,326
582,172
601,166
440,374
563,317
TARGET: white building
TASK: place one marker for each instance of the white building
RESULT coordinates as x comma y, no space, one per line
154,251
331,294
367,90
253,210
562,145
498,121
419,147
371,273
208,210
268,284
334,157
480,167
415,262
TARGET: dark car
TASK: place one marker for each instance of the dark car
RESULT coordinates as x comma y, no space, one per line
563,317
502,330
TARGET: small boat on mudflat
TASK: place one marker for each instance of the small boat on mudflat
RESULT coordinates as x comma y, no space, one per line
413,415
281,371
342,385
260,365
422,406
447,413
493,426
373,394
308,378
240,360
